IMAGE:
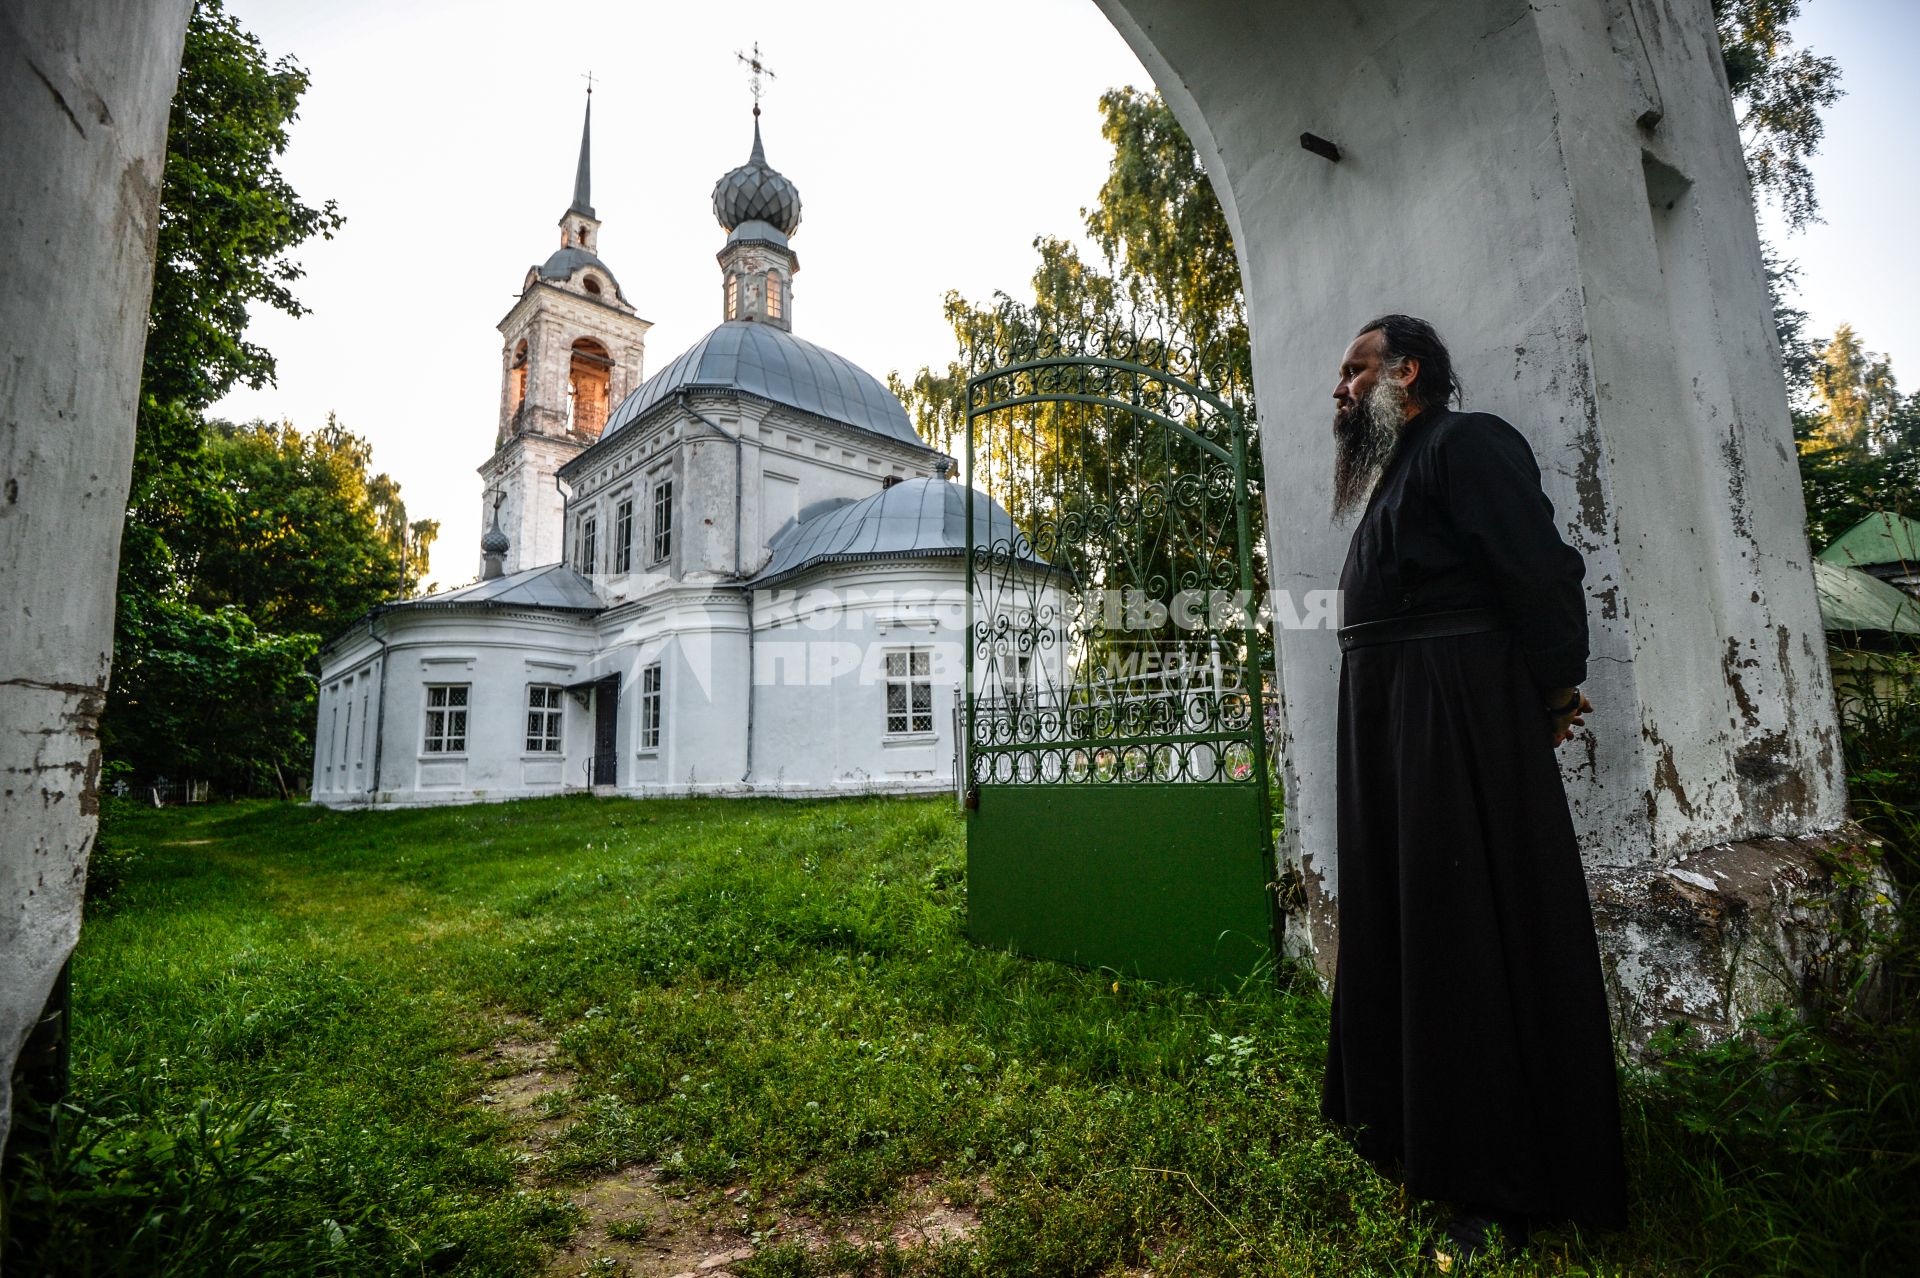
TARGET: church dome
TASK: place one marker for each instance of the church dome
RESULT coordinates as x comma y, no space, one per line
914,519
756,192
565,262
773,364
494,542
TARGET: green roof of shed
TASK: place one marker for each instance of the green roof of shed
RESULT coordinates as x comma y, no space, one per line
1881,538
1852,600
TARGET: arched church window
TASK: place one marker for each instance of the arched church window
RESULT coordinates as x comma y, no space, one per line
733,297
517,376
588,375
773,296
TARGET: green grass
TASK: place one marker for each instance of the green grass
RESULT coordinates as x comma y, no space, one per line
278,1010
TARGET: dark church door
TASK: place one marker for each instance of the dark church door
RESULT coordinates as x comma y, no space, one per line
606,719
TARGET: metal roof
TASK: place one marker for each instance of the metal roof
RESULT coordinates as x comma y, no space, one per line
756,192
548,586
773,364
1853,600
1881,538
583,175
914,519
565,261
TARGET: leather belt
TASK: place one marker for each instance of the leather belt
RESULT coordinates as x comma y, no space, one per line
1421,625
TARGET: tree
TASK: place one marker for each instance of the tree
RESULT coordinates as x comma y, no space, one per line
1778,93
228,223
243,545
1165,294
1858,438
1856,389
207,694
293,530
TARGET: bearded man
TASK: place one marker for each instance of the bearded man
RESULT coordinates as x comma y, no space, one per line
1470,1046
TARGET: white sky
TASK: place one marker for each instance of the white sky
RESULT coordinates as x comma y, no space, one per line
930,143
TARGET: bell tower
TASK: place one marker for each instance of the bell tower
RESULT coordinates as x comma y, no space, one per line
573,348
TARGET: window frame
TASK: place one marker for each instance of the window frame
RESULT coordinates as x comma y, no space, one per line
917,672
586,560
551,709
436,742
623,533
652,707
775,296
661,543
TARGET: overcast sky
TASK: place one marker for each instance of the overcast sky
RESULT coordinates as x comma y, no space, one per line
930,143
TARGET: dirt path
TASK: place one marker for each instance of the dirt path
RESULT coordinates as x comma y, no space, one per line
636,1224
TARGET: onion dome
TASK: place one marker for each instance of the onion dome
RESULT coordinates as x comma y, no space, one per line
494,542
756,192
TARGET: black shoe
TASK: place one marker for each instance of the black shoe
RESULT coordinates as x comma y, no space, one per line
1471,1236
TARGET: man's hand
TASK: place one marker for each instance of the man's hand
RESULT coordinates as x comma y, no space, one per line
1564,724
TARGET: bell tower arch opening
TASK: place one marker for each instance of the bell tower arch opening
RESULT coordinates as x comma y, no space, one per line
517,379
589,374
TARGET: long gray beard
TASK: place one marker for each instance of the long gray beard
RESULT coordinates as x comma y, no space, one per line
1364,437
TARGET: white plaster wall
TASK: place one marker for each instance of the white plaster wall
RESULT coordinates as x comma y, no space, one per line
824,463
84,89
1493,181
699,637
819,676
532,509
498,653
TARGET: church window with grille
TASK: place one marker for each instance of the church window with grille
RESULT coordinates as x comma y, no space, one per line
446,719
623,535
662,519
650,708
909,691
773,297
544,714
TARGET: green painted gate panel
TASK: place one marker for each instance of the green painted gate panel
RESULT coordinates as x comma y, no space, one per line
1175,891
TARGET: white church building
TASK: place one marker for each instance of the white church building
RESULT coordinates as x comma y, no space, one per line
742,575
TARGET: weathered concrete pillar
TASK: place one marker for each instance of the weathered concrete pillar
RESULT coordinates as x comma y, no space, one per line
1560,190
84,91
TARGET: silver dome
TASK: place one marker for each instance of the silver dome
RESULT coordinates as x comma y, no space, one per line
759,359
914,519
756,192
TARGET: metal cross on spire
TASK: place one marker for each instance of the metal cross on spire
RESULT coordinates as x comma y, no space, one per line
756,68
588,77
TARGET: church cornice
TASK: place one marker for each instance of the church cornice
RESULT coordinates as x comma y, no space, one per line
845,432
539,285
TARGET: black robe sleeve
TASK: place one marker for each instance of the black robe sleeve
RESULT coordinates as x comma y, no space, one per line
1489,485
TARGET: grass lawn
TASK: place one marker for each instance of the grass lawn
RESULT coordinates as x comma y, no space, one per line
577,1036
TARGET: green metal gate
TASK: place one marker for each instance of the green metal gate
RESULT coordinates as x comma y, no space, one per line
1116,758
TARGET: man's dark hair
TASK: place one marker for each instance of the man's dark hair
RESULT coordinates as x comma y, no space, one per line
1409,338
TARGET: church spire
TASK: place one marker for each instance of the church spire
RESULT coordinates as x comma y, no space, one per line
579,226
583,176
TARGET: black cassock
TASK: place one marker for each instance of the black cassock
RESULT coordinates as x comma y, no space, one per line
1470,1043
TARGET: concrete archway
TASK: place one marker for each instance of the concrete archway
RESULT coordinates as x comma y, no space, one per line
1561,190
